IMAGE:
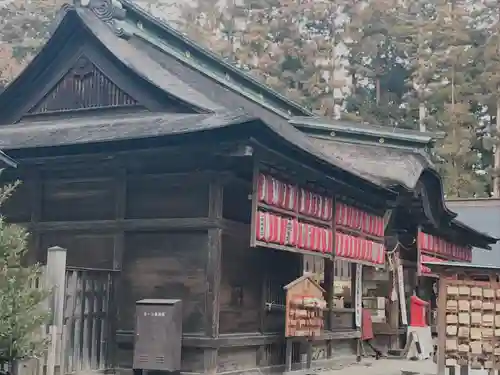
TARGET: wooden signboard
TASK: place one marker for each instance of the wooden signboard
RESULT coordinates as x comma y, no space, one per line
402,297
305,305
358,298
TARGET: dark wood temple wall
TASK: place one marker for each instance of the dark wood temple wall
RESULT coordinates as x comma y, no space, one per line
154,262
159,229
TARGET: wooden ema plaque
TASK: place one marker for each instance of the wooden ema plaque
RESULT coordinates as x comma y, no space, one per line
304,308
472,331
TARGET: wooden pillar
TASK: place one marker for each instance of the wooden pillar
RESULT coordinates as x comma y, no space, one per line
120,193
393,307
213,282
441,326
120,190
55,281
213,275
329,272
354,287
35,185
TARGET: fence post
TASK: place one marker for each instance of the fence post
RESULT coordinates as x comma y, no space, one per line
55,281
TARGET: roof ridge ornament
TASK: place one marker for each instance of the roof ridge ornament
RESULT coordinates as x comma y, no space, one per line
108,11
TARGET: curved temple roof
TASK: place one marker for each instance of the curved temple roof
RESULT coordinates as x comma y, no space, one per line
396,158
168,61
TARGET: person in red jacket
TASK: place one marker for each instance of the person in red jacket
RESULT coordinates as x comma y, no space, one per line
418,308
367,335
423,347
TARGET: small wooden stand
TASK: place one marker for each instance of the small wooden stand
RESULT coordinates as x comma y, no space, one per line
305,304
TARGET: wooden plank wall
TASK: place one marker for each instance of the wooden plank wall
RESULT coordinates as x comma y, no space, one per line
165,265
171,235
240,299
137,224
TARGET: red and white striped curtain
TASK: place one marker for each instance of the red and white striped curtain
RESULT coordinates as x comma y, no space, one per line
439,246
359,249
290,197
425,258
354,218
272,228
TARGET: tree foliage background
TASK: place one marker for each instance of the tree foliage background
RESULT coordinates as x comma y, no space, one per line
429,65
420,64
21,311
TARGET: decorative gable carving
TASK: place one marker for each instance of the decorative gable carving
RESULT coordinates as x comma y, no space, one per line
83,87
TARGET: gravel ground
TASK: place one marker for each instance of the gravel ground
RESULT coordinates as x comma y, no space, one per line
384,367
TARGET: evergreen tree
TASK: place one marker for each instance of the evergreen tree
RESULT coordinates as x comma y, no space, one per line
454,55
24,27
487,32
290,45
21,310
377,69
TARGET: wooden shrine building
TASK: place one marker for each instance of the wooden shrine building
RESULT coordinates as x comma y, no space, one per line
153,161
421,229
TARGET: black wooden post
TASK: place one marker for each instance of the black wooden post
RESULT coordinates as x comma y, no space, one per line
213,276
329,287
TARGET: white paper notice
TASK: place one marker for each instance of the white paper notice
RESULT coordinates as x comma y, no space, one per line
358,298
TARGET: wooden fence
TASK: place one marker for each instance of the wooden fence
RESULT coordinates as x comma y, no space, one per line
80,328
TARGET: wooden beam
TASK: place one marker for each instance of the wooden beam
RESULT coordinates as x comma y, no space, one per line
169,224
86,173
127,154
235,228
242,340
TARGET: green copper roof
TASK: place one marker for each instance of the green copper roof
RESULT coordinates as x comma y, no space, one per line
364,133
181,47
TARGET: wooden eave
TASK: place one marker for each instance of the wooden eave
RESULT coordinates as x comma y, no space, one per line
406,170
6,161
284,144
366,133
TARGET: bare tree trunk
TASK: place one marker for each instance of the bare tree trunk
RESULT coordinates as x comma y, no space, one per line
422,112
421,116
